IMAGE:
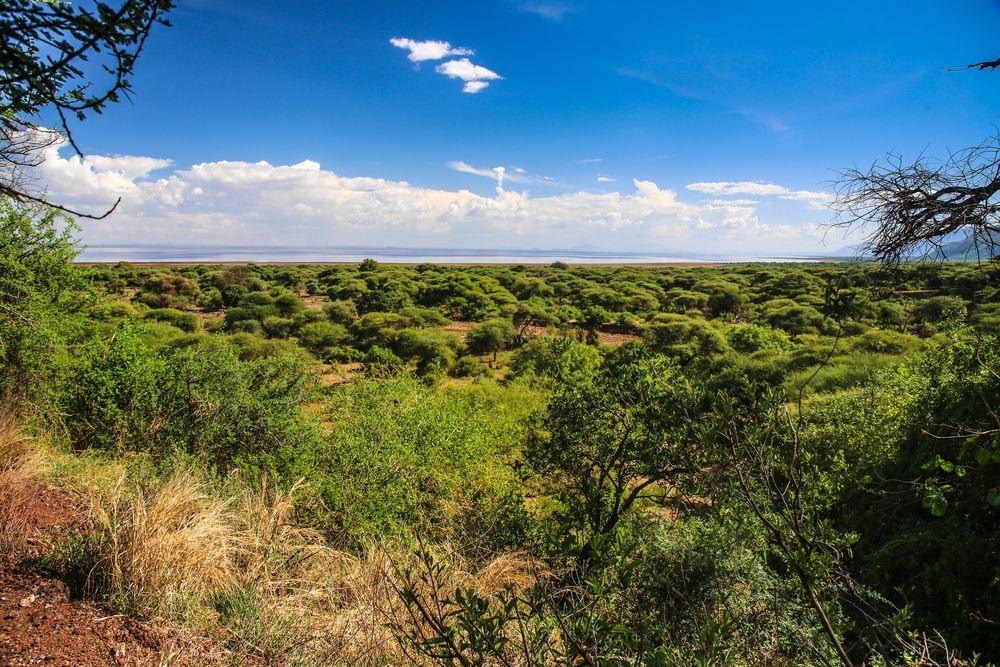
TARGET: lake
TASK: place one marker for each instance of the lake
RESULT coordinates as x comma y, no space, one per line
351,254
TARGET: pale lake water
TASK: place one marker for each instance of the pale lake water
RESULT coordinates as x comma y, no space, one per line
345,254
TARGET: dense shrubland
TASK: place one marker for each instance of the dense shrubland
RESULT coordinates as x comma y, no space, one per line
517,465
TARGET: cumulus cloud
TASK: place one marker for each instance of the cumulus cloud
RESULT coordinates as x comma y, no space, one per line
475,76
474,87
754,189
303,203
429,49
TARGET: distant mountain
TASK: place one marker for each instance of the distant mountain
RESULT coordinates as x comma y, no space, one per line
966,250
958,250
848,251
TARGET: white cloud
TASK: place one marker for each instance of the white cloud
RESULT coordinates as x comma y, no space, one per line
605,179
512,174
429,49
549,9
260,203
753,189
458,165
475,76
589,160
473,87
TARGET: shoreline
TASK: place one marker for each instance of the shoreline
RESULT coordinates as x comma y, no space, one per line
604,265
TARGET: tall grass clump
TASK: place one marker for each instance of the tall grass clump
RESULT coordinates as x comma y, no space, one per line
19,475
156,549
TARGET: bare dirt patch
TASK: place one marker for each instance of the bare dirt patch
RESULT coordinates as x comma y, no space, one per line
40,622
334,374
314,302
34,516
612,339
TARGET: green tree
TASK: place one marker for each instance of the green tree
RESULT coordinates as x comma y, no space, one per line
610,437
316,336
685,338
39,292
491,336
531,313
47,58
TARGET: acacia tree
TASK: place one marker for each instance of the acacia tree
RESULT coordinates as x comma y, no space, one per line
610,438
49,53
491,336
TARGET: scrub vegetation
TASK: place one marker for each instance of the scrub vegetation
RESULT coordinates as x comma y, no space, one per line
754,464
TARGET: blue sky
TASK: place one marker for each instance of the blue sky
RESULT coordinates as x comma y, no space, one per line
623,125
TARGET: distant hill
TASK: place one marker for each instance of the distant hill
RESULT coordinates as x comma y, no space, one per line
958,250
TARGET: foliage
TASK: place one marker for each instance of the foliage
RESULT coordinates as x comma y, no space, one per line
609,438
45,58
685,338
403,455
491,336
665,502
201,399
41,294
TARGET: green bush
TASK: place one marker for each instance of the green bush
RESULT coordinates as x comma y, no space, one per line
316,336
436,450
201,399
553,358
184,321
754,337
685,338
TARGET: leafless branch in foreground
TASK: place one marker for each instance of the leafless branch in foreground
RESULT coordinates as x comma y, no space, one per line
22,149
907,211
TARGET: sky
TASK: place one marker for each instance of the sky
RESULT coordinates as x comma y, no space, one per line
712,127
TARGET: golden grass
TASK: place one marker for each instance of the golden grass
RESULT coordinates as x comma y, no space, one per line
159,549
21,476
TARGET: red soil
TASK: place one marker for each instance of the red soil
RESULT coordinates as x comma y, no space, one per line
39,621
40,624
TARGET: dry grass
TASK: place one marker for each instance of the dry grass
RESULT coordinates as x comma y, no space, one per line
157,550
20,475
273,589
352,628
236,565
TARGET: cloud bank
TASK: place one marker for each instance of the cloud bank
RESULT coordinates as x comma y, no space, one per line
227,202
818,200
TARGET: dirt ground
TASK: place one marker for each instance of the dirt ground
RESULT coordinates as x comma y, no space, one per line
42,624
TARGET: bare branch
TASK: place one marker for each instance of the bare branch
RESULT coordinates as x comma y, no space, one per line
989,64
915,210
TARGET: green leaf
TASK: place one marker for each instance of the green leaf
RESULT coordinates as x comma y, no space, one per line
993,497
935,501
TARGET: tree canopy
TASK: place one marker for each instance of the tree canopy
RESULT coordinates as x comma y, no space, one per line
67,59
